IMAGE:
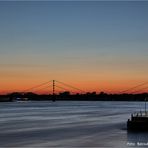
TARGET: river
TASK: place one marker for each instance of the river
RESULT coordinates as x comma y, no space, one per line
69,124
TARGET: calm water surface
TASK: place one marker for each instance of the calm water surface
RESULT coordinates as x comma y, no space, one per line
69,124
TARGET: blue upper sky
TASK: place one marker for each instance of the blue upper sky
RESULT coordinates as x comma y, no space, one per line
77,25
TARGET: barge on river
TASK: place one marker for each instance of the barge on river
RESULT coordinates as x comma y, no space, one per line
138,122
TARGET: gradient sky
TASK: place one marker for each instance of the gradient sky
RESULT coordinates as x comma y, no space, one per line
100,46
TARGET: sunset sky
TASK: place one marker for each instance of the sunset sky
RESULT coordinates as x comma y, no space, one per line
95,46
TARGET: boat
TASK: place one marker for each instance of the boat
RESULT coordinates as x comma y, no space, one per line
20,99
138,121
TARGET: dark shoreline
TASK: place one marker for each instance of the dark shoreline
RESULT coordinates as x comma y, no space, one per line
76,97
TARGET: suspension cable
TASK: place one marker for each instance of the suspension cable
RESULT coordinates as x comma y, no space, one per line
70,86
37,86
134,87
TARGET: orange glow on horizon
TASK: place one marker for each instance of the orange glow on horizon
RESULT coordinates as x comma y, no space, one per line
86,86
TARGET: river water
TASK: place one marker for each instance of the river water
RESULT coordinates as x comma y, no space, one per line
69,124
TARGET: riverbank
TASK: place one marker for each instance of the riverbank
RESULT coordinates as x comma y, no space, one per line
75,97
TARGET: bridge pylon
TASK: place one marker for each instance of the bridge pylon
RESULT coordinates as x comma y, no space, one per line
53,90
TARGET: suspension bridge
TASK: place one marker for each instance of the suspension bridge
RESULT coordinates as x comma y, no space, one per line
54,90
54,87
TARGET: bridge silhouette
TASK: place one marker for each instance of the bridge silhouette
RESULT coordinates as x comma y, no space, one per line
57,90
54,87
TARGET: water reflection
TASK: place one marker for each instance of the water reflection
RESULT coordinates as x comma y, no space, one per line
68,124
139,139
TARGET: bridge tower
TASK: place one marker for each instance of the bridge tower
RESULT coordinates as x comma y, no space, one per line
53,90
